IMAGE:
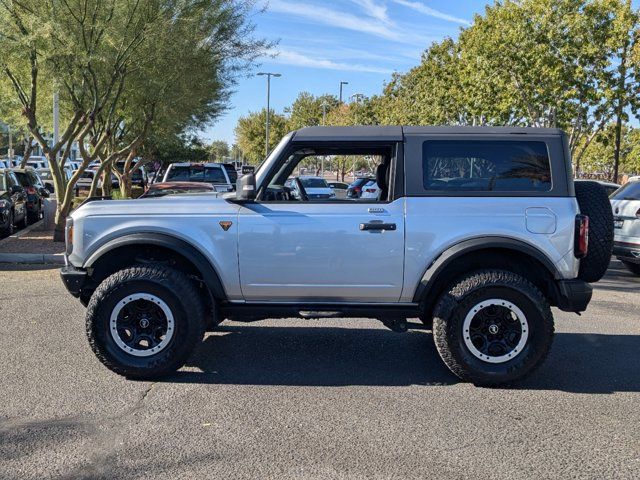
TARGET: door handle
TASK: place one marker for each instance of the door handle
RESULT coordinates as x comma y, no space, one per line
377,226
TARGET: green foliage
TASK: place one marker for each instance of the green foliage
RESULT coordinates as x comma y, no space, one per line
219,151
251,134
308,110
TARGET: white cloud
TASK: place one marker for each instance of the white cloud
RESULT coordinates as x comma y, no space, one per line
334,18
289,57
375,10
422,8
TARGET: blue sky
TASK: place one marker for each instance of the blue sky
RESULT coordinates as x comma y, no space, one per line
321,43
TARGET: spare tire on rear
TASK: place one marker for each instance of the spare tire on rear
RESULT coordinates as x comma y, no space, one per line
594,202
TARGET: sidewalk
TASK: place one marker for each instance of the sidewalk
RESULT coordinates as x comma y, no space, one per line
32,245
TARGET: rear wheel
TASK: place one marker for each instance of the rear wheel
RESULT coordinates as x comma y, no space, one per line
144,322
8,228
493,327
632,267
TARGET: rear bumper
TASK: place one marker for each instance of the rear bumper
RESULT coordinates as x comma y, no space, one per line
573,295
627,251
73,278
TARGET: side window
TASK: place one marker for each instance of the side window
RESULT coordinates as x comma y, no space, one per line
486,166
308,173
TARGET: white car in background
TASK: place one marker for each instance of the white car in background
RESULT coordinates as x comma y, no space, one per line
315,188
370,190
626,220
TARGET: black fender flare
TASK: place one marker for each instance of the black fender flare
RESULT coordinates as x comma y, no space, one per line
196,257
481,243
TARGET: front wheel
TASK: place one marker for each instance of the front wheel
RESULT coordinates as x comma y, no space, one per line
492,327
144,322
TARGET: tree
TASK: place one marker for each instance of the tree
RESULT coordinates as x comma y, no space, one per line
251,132
119,67
219,151
308,110
543,63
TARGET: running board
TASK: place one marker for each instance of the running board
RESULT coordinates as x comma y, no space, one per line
244,312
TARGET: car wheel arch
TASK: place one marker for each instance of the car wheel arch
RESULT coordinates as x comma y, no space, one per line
484,252
182,249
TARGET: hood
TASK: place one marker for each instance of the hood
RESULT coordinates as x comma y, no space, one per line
187,204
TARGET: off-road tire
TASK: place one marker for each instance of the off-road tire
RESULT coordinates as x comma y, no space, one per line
454,305
171,286
594,202
632,267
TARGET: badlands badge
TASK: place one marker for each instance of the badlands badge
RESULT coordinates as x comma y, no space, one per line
226,225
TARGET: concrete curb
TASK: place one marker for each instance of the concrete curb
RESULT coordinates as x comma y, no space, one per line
22,232
33,258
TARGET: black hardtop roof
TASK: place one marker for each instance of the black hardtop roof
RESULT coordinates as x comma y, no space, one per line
396,133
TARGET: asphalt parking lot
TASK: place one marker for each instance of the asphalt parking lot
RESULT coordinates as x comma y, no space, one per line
314,399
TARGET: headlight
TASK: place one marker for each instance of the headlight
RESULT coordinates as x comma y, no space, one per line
69,236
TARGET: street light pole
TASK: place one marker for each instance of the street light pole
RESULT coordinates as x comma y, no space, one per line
341,84
268,75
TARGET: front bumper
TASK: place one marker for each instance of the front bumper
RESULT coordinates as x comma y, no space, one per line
73,278
573,295
627,251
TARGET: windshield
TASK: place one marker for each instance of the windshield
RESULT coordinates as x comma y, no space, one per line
261,171
630,191
314,183
2,183
197,173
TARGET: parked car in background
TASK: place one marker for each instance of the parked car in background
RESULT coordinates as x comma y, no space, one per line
609,187
217,174
35,190
355,189
635,178
37,162
86,179
313,188
626,220
339,188
139,177
13,203
176,188
47,178
370,190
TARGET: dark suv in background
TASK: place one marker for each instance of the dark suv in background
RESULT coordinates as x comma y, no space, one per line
13,203
35,190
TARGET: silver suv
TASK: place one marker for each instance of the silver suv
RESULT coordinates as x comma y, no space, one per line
477,232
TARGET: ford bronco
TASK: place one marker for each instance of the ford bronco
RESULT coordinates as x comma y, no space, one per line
476,231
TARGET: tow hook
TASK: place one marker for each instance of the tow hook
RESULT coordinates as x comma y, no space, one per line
398,325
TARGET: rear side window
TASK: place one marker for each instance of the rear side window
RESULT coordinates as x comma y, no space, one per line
630,191
486,166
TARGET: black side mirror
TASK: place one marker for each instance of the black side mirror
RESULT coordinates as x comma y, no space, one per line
17,189
44,192
246,187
